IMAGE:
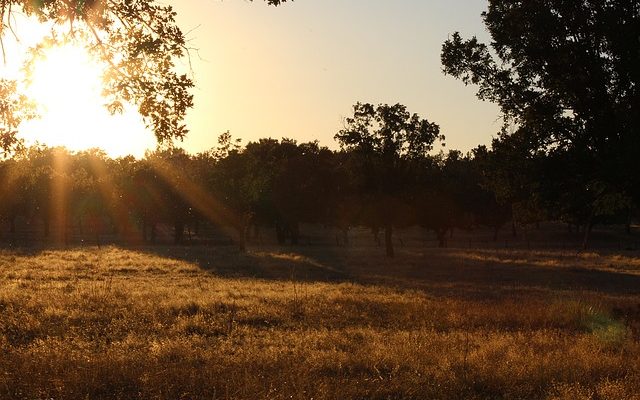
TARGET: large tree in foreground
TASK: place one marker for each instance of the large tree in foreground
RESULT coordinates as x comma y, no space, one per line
138,41
385,141
566,76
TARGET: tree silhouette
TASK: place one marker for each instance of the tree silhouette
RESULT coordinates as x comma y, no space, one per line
384,140
566,75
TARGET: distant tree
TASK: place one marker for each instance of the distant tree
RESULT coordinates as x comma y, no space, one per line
13,196
433,199
121,174
513,171
229,178
92,197
384,140
280,182
169,178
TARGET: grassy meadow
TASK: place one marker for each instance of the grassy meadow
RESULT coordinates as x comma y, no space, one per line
318,323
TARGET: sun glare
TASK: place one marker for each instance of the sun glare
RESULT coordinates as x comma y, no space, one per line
66,85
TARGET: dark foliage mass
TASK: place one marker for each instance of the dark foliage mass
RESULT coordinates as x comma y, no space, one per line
565,75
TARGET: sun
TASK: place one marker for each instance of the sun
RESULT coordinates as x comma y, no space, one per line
66,85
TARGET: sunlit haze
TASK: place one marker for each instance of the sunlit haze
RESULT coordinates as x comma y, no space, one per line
66,85
290,71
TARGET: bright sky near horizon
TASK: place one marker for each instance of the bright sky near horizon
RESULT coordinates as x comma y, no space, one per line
291,71
296,70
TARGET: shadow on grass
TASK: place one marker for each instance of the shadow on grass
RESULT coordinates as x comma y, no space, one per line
478,273
259,263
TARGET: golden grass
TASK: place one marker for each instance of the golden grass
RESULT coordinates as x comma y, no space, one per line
321,323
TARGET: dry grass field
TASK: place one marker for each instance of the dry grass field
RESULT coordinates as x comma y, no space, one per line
318,323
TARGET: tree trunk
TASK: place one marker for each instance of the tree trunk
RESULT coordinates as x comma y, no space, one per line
280,234
243,231
153,232
257,236
295,233
12,222
496,229
144,230
242,236
388,240
587,232
442,238
178,232
376,235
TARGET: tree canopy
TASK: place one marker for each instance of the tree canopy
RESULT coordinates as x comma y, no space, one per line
566,77
386,141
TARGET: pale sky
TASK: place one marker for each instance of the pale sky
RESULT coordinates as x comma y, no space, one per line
296,70
292,71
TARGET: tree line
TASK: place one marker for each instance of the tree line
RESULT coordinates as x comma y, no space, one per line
386,175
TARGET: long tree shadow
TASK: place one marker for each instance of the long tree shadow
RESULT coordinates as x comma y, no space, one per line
473,273
266,263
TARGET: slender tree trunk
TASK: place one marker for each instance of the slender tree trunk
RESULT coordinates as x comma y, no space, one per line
280,234
587,231
496,229
376,235
295,233
256,233
144,230
47,227
243,231
442,238
12,222
388,240
242,234
178,232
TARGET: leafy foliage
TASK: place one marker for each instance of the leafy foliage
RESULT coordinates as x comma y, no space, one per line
138,42
566,76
